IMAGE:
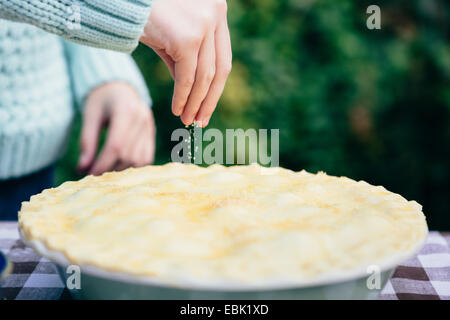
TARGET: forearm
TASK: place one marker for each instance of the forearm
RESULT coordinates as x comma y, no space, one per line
108,24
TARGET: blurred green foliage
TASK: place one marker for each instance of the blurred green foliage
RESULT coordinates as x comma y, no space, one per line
368,104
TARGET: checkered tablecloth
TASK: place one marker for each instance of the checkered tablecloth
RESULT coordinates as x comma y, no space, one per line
426,276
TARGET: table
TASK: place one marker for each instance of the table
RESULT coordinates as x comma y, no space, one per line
426,276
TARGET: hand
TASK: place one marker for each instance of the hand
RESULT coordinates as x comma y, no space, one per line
192,38
131,136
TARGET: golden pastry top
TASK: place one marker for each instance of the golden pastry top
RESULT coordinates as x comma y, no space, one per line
243,223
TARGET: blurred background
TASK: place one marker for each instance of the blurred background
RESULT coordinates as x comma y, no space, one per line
372,105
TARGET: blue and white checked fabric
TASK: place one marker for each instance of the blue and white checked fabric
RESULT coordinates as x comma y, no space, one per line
425,276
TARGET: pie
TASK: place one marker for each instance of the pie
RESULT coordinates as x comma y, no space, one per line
239,224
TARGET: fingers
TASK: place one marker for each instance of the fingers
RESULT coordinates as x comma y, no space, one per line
130,140
167,60
143,148
92,125
121,165
114,143
131,132
223,69
150,153
105,162
206,68
140,151
129,143
185,70
179,29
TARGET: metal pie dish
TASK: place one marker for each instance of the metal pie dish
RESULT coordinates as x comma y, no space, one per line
96,283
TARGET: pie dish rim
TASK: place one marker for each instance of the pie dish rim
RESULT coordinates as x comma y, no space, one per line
385,264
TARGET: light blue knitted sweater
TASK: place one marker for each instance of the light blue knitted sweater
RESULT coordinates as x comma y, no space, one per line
41,75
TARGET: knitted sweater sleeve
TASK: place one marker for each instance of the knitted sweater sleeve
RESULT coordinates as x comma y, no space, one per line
92,67
109,24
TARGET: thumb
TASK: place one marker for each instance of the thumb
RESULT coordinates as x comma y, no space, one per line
90,132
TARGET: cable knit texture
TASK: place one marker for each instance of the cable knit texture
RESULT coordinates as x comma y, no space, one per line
108,24
41,76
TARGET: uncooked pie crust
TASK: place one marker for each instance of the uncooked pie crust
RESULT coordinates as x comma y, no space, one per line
241,224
